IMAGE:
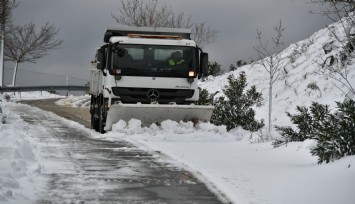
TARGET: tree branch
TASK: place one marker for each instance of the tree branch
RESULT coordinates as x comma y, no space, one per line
151,13
25,45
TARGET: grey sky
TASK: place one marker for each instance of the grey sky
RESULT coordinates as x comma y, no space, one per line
82,24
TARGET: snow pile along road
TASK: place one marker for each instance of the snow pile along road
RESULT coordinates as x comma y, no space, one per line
172,131
75,101
32,95
19,166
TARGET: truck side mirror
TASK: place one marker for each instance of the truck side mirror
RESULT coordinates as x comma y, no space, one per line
100,58
204,63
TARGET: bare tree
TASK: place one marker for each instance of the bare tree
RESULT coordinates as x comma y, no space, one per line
333,6
24,44
335,66
271,60
203,34
6,8
151,13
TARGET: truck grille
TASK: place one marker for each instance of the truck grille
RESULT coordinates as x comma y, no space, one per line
134,95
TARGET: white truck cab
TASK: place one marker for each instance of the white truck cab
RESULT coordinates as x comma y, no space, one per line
139,67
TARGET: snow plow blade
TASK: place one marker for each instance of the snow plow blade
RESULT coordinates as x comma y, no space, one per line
157,113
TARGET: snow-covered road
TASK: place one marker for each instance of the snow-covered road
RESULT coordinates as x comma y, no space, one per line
79,167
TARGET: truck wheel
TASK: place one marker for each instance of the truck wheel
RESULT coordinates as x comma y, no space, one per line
94,123
93,112
102,115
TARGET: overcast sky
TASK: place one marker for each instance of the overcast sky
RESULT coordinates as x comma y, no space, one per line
82,24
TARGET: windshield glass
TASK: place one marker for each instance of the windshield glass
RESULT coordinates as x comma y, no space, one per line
153,60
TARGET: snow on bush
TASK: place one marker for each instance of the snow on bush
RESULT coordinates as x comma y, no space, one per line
237,108
334,132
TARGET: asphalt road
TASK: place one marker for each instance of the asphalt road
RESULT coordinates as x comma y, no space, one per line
80,168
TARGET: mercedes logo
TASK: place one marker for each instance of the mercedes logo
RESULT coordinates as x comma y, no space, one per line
153,94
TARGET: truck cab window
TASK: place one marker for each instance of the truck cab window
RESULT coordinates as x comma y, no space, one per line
136,53
153,60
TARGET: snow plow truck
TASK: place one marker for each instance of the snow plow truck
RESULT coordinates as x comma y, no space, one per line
150,74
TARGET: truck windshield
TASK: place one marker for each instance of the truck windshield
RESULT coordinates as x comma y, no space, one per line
153,60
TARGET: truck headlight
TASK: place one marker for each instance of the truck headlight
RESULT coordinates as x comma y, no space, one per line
192,73
117,71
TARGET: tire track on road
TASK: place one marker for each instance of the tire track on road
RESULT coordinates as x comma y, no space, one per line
82,169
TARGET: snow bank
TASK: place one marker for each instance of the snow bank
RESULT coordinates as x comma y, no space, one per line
75,101
31,95
172,131
19,167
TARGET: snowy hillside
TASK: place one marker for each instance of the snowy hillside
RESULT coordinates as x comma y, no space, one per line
299,72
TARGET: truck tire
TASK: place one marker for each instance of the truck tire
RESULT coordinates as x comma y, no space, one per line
94,113
102,115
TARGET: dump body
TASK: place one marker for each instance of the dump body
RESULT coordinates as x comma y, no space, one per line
149,74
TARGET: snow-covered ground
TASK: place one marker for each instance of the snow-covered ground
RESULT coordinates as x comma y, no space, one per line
244,172
31,95
19,164
75,101
241,171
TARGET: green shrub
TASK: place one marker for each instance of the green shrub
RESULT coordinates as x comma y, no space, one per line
214,69
235,110
204,98
334,133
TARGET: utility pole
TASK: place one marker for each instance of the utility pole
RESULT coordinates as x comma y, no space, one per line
2,27
2,59
68,85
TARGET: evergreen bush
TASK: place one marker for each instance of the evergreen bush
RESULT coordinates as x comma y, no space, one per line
235,109
214,69
239,63
334,133
204,98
